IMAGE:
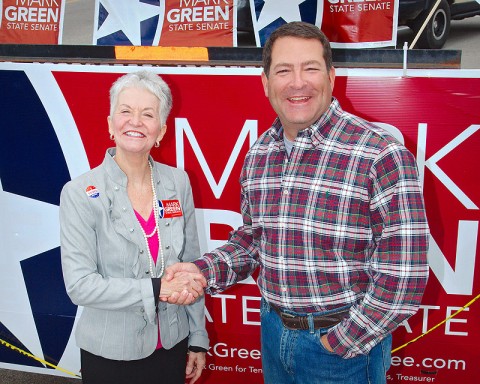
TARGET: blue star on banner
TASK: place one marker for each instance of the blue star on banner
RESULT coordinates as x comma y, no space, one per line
128,22
268,15
36,314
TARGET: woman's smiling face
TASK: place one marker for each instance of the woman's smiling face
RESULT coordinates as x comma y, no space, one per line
135,123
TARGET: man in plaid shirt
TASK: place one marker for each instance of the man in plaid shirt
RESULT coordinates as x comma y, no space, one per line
333,216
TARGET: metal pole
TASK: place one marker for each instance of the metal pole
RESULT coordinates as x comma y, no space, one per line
425,23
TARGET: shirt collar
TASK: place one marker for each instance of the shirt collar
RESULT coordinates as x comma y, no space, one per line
114,171
318,131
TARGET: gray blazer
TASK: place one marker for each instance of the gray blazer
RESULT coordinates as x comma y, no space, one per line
106,267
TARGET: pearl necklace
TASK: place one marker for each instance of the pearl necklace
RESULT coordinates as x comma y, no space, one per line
146,237
151,234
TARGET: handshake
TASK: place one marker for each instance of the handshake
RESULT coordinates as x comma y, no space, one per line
182,284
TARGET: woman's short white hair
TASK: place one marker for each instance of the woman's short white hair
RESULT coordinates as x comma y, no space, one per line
145,80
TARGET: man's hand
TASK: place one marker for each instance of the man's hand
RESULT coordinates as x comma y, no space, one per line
182,284
325,343
195,365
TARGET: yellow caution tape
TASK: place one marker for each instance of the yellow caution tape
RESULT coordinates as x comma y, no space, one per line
36,358
439,324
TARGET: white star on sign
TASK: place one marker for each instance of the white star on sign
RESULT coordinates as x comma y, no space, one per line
126,16
27,227
288,10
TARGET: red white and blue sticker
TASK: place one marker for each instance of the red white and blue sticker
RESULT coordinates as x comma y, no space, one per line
169,208
92,191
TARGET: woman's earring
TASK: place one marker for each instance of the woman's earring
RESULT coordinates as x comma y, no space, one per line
112,137
157,144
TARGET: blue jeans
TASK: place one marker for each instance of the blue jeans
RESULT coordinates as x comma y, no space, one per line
298,357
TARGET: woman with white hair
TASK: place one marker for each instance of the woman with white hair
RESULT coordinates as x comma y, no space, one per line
122,224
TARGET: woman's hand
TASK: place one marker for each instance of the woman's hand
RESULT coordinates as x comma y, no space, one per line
195,365
182,283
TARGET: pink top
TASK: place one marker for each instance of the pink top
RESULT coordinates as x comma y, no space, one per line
153,244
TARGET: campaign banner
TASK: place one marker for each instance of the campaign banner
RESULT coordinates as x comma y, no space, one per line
347,24
31,22
64,134
190,23
172,23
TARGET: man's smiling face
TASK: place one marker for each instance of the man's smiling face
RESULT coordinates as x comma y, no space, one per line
299,85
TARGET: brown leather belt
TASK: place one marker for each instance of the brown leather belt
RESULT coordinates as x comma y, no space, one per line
301,322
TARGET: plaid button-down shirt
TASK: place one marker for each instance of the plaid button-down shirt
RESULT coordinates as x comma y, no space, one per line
340,221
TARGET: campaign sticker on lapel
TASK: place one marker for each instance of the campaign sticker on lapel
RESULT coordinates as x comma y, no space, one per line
169,208
92,191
